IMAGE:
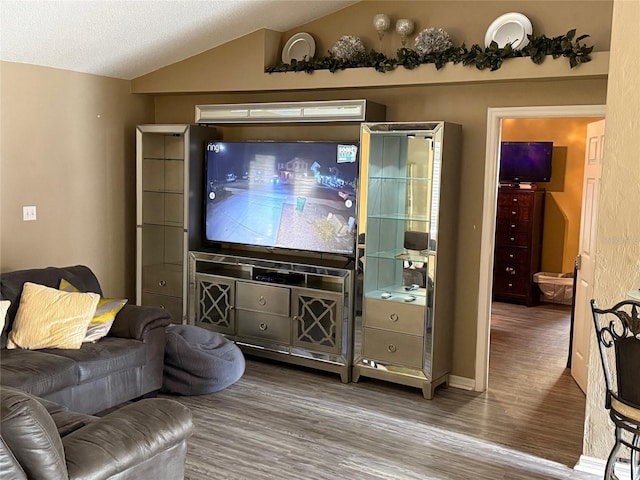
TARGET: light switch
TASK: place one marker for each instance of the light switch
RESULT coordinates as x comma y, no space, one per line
29,213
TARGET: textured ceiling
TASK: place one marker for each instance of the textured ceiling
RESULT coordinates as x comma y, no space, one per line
129,38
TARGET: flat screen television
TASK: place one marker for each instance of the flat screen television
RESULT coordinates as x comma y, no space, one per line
524,162
282,195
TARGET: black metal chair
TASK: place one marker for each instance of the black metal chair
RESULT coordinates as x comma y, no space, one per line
618,333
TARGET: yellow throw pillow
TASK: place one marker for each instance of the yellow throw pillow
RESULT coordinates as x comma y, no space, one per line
49,318
105,314
4,306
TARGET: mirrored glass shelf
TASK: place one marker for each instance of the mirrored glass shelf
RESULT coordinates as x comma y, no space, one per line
400,178
401,216
403,255
399,295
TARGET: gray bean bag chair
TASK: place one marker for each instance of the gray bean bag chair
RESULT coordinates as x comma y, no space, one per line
198,361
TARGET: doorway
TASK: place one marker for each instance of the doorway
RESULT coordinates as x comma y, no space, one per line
495,116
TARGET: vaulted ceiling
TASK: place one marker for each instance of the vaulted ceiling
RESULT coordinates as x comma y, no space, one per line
129,38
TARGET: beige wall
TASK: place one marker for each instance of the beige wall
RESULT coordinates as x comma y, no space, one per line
618,239
239,65
563,200
68,147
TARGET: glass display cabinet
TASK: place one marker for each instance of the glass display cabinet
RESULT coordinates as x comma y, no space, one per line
409,210
169,164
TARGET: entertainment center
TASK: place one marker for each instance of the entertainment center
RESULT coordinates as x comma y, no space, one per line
256,239
275,307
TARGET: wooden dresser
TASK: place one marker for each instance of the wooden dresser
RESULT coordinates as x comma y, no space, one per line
518,245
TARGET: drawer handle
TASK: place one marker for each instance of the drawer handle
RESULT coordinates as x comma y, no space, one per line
513,212
262,301
510,285
511,255
162,283
162,307
511,270
263,326
391,348
393,317
515,200
513,239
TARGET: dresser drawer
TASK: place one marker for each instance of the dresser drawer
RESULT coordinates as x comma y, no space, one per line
164,279
516,199
513,213
394,316
263,326
392,347
173,305
263,298
513,232
517,258
505,283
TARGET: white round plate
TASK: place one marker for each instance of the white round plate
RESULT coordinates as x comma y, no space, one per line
510,28
298,47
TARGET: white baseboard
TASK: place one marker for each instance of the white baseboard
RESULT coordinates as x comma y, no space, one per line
597,466
462,383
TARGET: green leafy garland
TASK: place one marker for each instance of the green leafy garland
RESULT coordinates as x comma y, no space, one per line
490,57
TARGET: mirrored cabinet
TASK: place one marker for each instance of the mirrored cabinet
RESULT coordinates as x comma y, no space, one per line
169,163
409,199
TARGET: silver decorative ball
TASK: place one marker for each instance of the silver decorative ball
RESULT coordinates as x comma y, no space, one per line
432,40
348,47
404,27
381,22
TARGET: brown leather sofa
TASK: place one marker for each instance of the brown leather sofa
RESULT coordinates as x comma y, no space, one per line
124,365
43,440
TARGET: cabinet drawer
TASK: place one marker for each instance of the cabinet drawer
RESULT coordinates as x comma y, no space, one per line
394,316
513,213
517,199
263,326
172,304
263,298
512,258
392,347
513,233
165,279
505,283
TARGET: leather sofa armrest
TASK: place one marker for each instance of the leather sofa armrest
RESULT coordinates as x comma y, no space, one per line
126,437
66,421
135,321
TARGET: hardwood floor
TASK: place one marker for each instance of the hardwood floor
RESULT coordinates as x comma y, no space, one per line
285,422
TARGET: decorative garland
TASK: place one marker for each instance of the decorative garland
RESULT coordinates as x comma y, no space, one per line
490,57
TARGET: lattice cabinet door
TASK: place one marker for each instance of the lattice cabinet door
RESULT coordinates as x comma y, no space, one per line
215,307
317,320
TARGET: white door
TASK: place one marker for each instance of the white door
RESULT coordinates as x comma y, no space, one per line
582,327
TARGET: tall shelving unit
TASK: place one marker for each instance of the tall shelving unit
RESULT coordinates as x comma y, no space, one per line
169,163
411,200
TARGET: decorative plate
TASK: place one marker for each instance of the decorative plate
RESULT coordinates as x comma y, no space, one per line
298,47
510,28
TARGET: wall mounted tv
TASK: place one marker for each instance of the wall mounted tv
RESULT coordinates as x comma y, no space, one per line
524,162
282,195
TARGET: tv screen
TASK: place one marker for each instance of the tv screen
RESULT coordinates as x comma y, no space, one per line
525,161
290,195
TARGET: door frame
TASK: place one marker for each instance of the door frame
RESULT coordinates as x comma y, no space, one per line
489,209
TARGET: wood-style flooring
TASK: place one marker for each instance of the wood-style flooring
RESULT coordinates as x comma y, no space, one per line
284,422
